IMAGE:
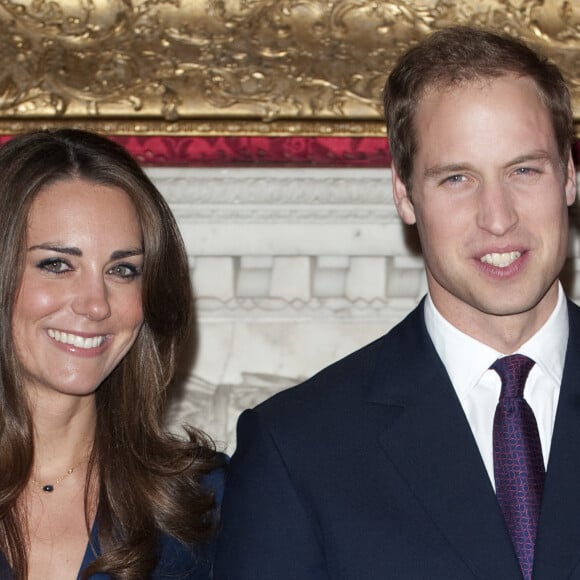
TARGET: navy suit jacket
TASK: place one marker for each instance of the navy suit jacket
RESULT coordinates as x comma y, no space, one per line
370,471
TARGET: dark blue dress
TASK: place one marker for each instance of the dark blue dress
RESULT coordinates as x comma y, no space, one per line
176,561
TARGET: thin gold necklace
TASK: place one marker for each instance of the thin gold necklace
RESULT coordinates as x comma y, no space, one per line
49,487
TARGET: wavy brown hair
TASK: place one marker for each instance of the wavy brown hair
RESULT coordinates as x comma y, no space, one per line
148,479
459,54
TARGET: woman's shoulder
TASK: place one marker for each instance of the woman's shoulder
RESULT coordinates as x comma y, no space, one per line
183,561
215,480
178,560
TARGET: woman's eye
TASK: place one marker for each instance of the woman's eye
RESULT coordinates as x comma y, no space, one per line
125,271
54,265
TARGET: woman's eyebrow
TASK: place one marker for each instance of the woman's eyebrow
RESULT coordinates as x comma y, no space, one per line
72,251
120,254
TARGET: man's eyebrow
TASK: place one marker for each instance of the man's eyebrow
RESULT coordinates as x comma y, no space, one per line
438,170
73,251
534,156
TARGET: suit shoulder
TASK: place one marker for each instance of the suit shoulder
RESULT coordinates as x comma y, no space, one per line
573,309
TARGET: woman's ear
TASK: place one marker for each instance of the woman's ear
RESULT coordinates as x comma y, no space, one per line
403,203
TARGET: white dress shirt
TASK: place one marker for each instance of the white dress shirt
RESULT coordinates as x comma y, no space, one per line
467,362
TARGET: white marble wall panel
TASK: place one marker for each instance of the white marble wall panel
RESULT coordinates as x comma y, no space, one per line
293,269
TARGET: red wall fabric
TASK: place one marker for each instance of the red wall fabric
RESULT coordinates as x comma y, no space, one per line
182,151
254,151
259,151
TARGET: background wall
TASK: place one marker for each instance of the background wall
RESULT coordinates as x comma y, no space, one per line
293,269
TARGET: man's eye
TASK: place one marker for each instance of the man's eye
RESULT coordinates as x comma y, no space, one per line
526,171
455,179
54,265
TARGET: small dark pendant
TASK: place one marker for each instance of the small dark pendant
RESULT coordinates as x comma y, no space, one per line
48,488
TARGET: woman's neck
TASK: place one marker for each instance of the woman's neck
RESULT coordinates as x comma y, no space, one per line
64,430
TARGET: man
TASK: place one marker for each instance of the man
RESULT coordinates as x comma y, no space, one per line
395,462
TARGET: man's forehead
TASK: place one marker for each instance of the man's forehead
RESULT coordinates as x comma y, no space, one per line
493,119
457,84
508,94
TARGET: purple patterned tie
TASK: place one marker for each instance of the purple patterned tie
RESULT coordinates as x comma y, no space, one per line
517,459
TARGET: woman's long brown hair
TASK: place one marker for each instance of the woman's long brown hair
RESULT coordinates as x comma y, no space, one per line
148,479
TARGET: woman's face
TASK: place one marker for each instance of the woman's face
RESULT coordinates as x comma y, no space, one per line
79,307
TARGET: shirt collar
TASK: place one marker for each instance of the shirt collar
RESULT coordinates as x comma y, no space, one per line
466,359
548,346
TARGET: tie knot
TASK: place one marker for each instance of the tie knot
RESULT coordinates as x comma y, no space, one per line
513,371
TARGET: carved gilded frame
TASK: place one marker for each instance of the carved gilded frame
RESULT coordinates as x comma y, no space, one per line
211,68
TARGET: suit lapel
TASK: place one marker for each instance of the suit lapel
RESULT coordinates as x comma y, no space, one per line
431,445
558,545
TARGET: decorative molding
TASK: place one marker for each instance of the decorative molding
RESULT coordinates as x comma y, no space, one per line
282,195
215,67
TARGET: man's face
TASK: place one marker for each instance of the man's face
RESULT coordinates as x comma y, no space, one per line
490,202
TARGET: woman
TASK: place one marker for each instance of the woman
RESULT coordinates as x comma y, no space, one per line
96,298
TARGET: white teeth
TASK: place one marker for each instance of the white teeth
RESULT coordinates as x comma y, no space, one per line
75,340
500,260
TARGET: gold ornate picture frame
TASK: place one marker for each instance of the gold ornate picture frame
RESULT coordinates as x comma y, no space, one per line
237,68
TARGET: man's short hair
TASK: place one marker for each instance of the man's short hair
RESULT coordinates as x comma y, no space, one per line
460,54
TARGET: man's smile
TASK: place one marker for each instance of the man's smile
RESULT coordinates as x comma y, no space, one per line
500,260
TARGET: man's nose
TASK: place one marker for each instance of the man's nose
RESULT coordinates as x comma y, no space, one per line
496,212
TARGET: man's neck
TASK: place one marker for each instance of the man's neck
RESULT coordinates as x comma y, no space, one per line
503,333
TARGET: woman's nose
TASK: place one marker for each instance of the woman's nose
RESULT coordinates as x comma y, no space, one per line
91,299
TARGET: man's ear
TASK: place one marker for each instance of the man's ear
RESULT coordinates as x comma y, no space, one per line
570,185
403,203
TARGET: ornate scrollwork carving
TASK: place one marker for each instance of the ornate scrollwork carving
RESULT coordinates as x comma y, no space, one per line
180,66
